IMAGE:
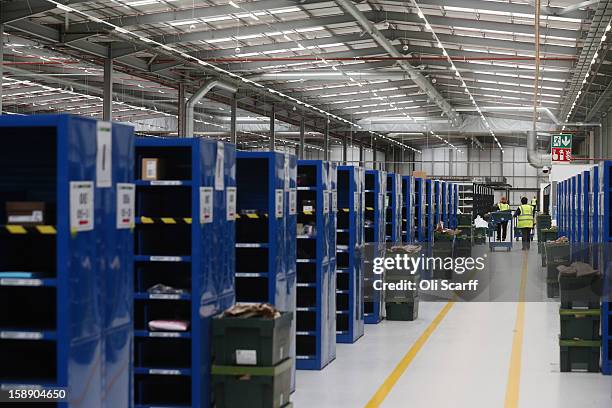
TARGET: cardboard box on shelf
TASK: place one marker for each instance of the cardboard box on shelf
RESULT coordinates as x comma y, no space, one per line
25,212
419,174
152,168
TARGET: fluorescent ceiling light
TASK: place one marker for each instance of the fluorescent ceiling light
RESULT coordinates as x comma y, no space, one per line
231,3
181,23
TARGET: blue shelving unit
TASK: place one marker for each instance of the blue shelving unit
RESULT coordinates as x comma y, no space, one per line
374,227
429,210
455,205
393,204
266,230
332,175
315,291
408,208
195,201
573,209
585,205
444,203
349,274
67,321
437,202
419,210
579,209
594,201
605,218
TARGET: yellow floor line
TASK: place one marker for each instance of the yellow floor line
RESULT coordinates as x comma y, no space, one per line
514,372
399,369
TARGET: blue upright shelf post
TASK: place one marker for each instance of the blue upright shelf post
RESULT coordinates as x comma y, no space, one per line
66,319
349,293
393,208
266,230
429,210
573,209
419,207
314,307
578,200
605,228
332,176
187,279
444,203
436,201
456,205
375,188
586,209
559,209
408,212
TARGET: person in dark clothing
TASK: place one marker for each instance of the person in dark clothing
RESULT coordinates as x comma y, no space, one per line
502,227
524,214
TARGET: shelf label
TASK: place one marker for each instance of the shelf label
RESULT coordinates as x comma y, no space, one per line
164,334
278,202
164,296
325,201
334,201
156,258
166,182
17,335
246,357
356,201
220,167
206,205
81,206
104,154
158,371
292,201
20,282
126,204
230,204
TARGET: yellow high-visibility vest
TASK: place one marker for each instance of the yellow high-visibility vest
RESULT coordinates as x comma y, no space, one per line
525,218
534,202
503,206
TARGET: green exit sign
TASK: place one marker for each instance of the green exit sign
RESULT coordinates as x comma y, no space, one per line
563,141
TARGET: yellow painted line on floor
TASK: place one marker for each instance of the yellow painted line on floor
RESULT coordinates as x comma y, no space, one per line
514,372
401,367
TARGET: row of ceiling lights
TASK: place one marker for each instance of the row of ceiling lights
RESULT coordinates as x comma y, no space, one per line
457,74
168,48
588,73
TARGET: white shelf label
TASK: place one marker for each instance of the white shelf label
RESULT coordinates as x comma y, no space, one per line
104,155
286,172
278,202
156,258
157,371
220,167
292,201
164,296
126,204
81,206
356,201
206,205
334,201
325,201
166,182
230,204
164,334
17,335
20,282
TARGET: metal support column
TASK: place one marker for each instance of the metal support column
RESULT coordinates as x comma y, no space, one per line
326,140
302,137
182,116
107,103
591,152
272,131
234,109
344,149
361,155
373,144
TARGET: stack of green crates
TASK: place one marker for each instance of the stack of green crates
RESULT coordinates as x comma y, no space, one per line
402,304
464,219
545,235
251,363
463,245
480,235
580,341
556,254
543,221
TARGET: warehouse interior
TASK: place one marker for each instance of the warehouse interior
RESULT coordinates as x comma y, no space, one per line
268,152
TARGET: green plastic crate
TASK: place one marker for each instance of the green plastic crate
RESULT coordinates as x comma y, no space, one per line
584,291
401,295
557,253
464,219
580,324
579,355
253,341
545,235
252,387
402,311
552,290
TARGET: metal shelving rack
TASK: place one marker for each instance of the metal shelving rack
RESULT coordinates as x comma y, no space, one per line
455,207
66,320
594,206
605,219
579,208
419,210
408,208
315,292
374,227
466,198
444,213
194,202
437,202
585,205
393,204
573,218
349,274
266,230
332,176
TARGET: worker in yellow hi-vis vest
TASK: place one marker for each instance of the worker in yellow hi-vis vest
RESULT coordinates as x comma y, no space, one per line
502,227
524,213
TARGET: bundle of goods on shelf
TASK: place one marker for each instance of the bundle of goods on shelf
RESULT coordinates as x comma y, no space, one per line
251,362
580,314
556,253
402,304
